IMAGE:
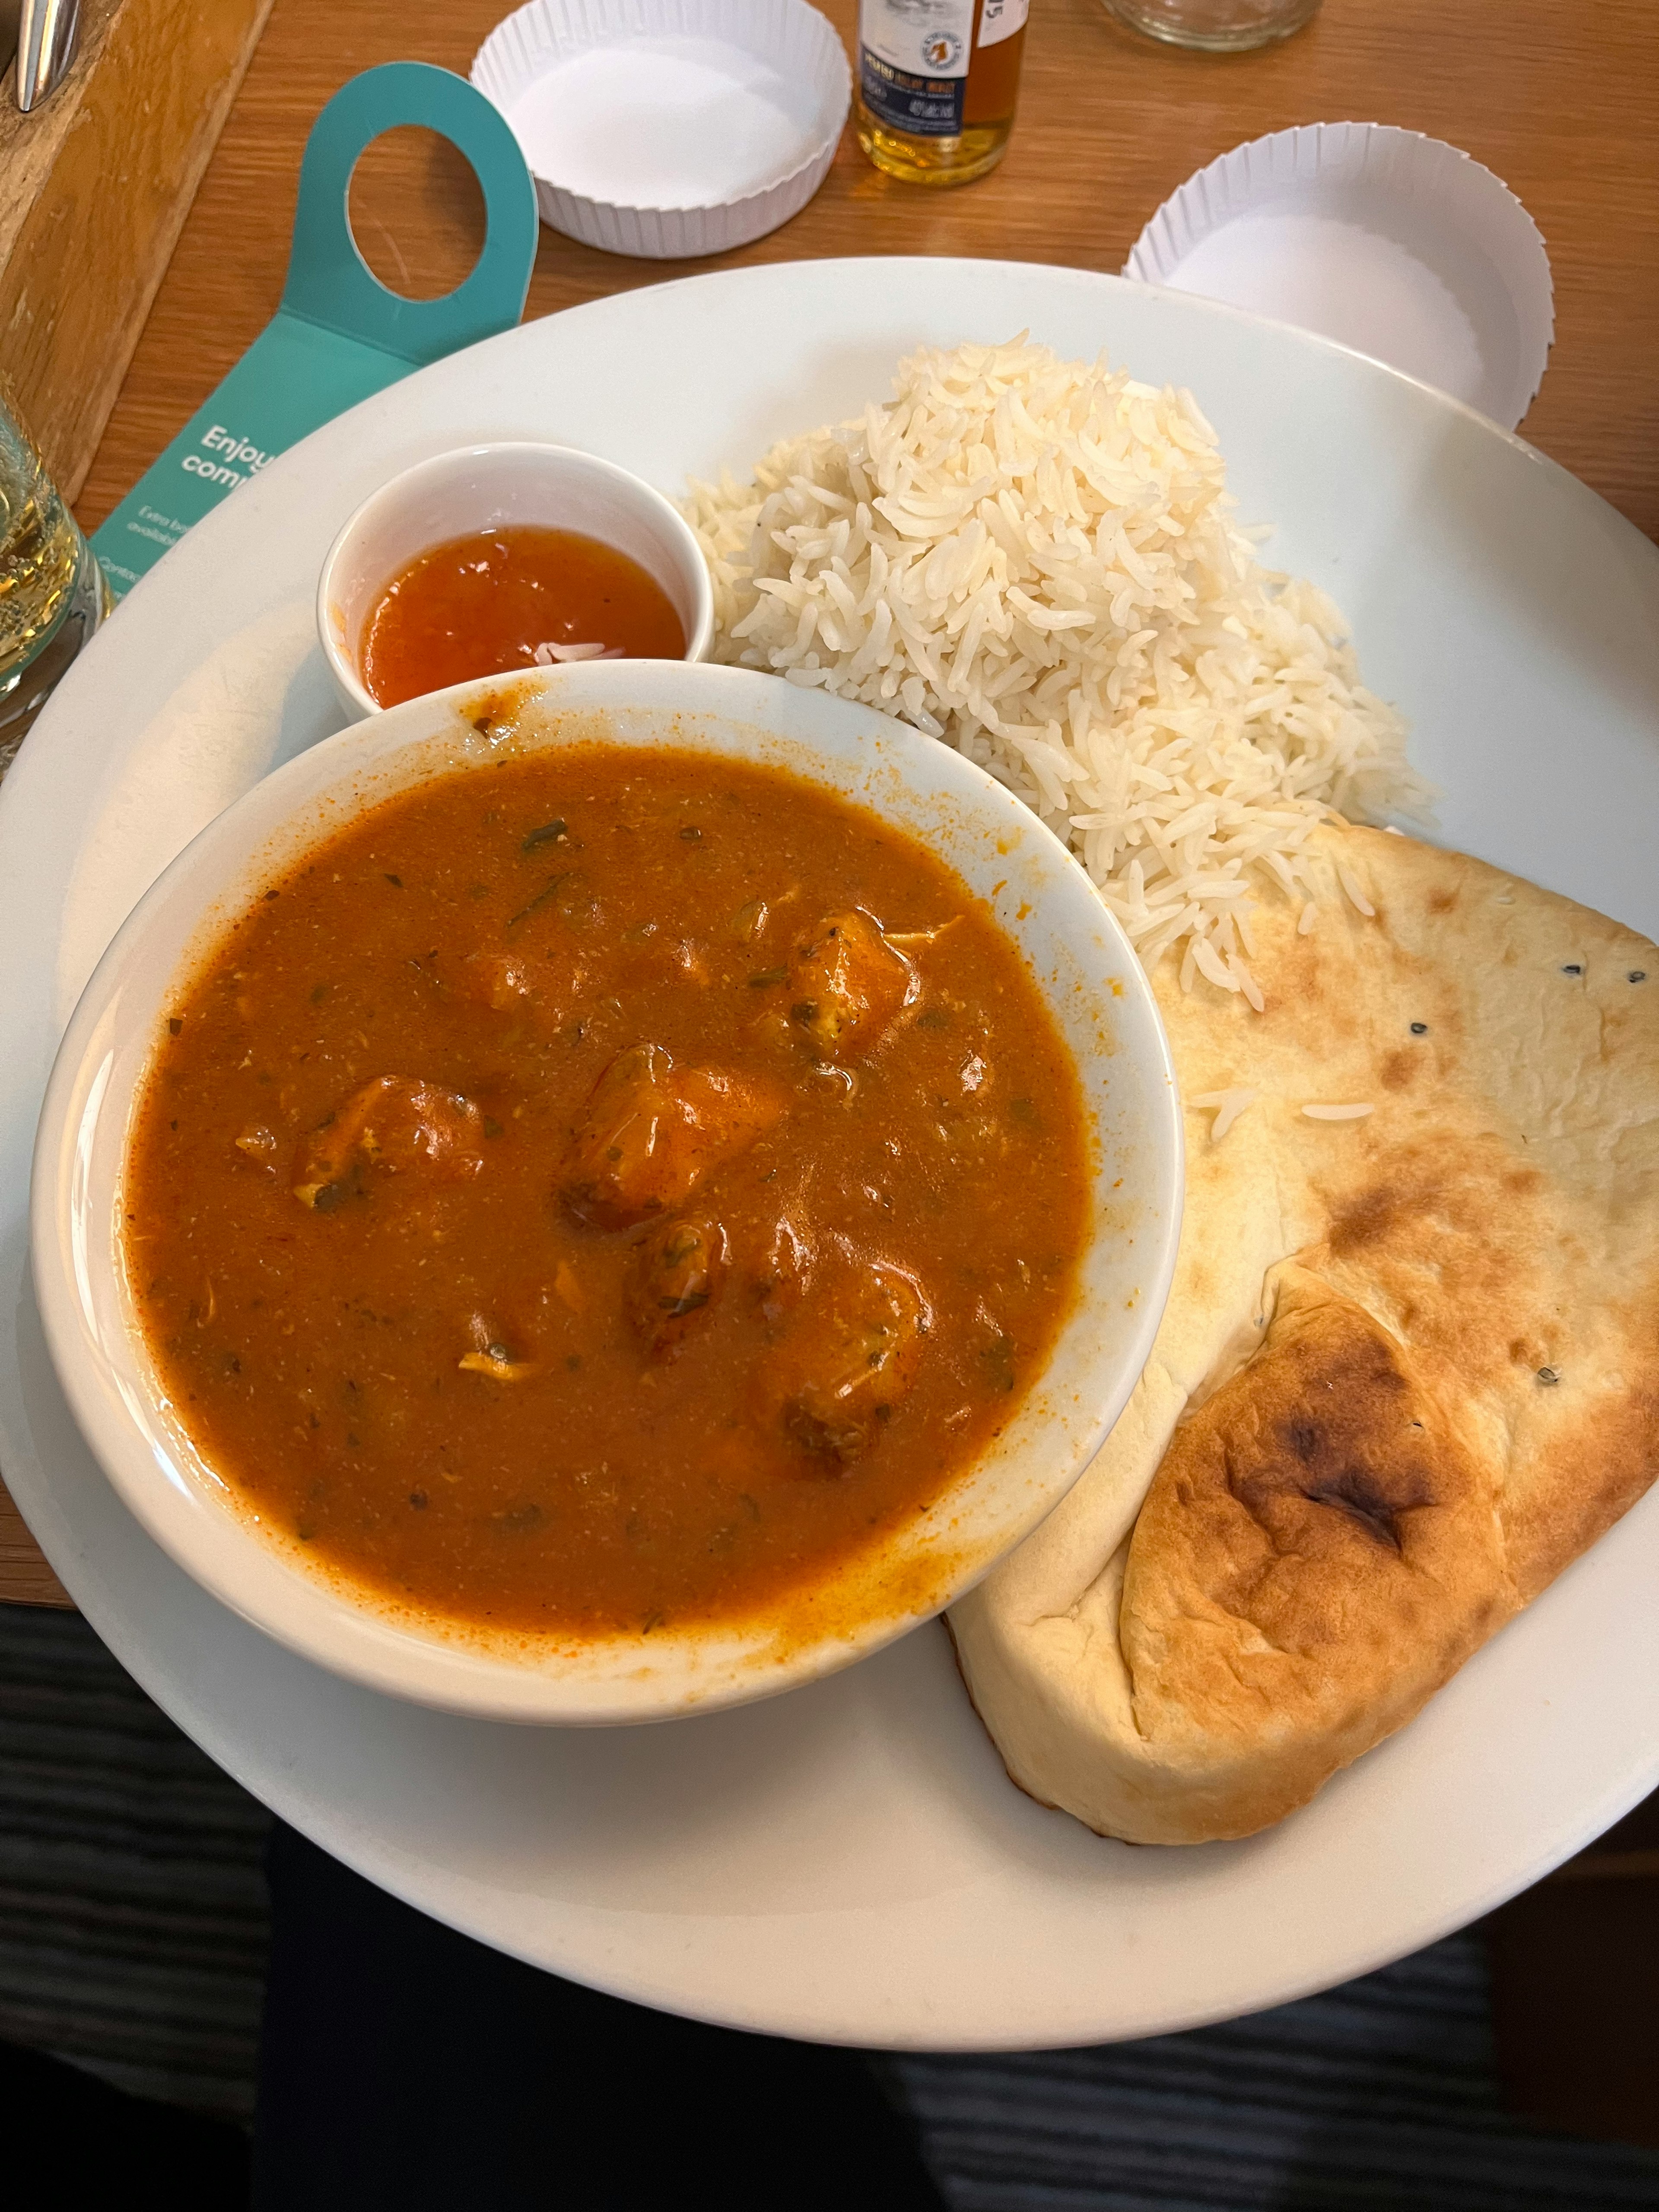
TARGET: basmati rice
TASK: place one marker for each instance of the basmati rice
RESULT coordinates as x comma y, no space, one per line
1035,559
1228,1104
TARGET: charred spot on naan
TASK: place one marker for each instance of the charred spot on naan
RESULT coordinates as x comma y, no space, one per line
1349,1439
1320,1500
1365,1219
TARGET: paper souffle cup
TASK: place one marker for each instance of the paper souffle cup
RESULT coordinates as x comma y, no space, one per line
669,129
1397,245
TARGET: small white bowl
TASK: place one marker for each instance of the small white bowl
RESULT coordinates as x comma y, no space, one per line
490,487
1077,955
669,129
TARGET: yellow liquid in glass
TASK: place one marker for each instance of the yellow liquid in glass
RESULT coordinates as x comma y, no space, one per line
52,593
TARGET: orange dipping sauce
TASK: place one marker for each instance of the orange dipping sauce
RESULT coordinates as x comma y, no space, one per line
481,605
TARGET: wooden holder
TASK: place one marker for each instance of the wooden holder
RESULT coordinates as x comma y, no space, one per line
95,188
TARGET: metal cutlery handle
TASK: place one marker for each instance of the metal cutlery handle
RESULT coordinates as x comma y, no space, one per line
47,31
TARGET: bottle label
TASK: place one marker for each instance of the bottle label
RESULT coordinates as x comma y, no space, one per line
912,62
1001,19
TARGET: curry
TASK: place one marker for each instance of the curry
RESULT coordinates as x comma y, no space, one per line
604,1189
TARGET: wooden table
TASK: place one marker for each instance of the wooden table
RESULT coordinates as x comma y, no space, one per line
1556,100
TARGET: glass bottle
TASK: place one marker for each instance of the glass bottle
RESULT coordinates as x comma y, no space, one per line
938,81
52,593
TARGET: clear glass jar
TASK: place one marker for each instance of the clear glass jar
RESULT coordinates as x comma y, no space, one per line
1217,27
52,593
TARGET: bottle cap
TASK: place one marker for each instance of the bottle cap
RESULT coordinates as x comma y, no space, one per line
669,128
1397,245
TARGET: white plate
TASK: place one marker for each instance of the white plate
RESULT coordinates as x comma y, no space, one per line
849,1862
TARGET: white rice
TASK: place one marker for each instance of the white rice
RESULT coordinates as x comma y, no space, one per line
1036,561
1228,1105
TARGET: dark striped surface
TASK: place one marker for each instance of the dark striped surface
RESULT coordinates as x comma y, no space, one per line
132,1931
132,1902
1377,2097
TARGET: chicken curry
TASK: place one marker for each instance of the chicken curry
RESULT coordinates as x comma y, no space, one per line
604,1189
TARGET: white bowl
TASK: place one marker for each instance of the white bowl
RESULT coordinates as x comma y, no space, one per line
1075,953
488,486
669,129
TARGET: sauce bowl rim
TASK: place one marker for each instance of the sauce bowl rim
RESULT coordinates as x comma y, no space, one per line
338,652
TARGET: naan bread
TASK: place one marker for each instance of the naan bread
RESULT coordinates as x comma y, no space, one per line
1408,1370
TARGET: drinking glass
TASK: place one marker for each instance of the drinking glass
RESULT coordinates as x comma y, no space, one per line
52,593
1217,27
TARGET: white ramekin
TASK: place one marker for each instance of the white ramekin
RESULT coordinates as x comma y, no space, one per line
1396,244
670,129
486,487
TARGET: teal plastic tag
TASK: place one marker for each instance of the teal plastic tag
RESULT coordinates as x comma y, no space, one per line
339,335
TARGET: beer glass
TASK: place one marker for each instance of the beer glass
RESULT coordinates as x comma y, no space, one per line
52,593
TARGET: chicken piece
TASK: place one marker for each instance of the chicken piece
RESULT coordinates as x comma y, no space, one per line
498,980
678,1273
650,958
848,986
854,1359
652,1132
787,1275
533,985
393,1125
